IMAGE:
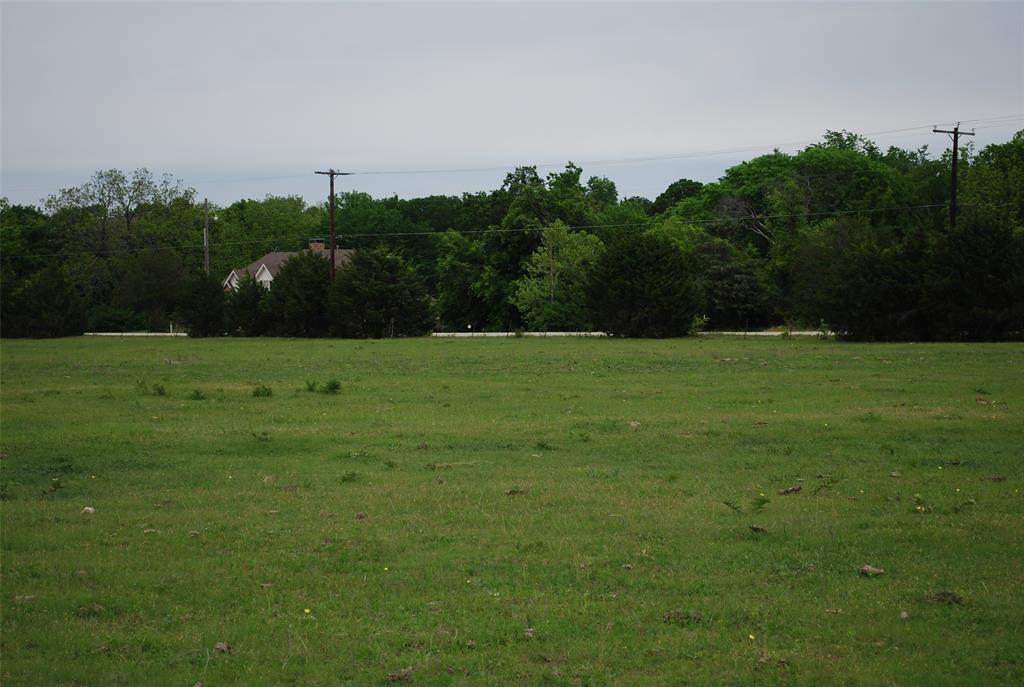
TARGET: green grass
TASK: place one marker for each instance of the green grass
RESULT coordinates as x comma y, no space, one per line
519,511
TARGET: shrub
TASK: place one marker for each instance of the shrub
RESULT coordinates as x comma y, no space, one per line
643,286
245,309
201,310
297,302
378,295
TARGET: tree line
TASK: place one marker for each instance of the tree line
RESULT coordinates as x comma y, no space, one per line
840,235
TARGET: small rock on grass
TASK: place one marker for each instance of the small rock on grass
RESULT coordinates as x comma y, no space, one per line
871,571
88,510
790,490
904,615
222,648
757,529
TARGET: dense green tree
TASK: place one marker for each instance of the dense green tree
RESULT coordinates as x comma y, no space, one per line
106,212
297,302
115,318
42,306
201,310
553,292
676,191
861,281
378,295
734,293
644,286
248,229
24,242
460,265
246,309
150,283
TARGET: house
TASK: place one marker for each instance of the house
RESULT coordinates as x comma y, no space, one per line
266,268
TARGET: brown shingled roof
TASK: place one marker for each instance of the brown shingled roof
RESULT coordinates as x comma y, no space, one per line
275,259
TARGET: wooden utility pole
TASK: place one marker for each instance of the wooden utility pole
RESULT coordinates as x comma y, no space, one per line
955,134
206,236
330,208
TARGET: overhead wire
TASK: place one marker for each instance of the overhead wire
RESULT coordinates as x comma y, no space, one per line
595,162
523,230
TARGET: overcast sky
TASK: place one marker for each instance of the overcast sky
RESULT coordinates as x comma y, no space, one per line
245,99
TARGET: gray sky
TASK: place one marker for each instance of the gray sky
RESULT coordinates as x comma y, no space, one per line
242,99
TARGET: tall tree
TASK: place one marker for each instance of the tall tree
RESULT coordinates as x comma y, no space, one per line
643,286
297,302
377,295
553,292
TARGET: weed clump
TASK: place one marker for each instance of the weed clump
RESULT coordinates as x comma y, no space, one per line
683,618
331,386
146,390
945,598
196,395
262,391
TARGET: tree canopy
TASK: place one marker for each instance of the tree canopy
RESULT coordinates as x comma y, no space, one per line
842,232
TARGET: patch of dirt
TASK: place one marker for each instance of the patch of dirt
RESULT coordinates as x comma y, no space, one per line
767,659
515,491
403,675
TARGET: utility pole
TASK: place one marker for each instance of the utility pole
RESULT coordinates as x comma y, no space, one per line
331,173
955,134
206,236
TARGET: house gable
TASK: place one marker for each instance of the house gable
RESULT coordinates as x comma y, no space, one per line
266,268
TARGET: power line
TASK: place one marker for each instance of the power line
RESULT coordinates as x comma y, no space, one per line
617,225
654,158
623,160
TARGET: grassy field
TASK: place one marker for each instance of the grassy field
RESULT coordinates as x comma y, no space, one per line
511,511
